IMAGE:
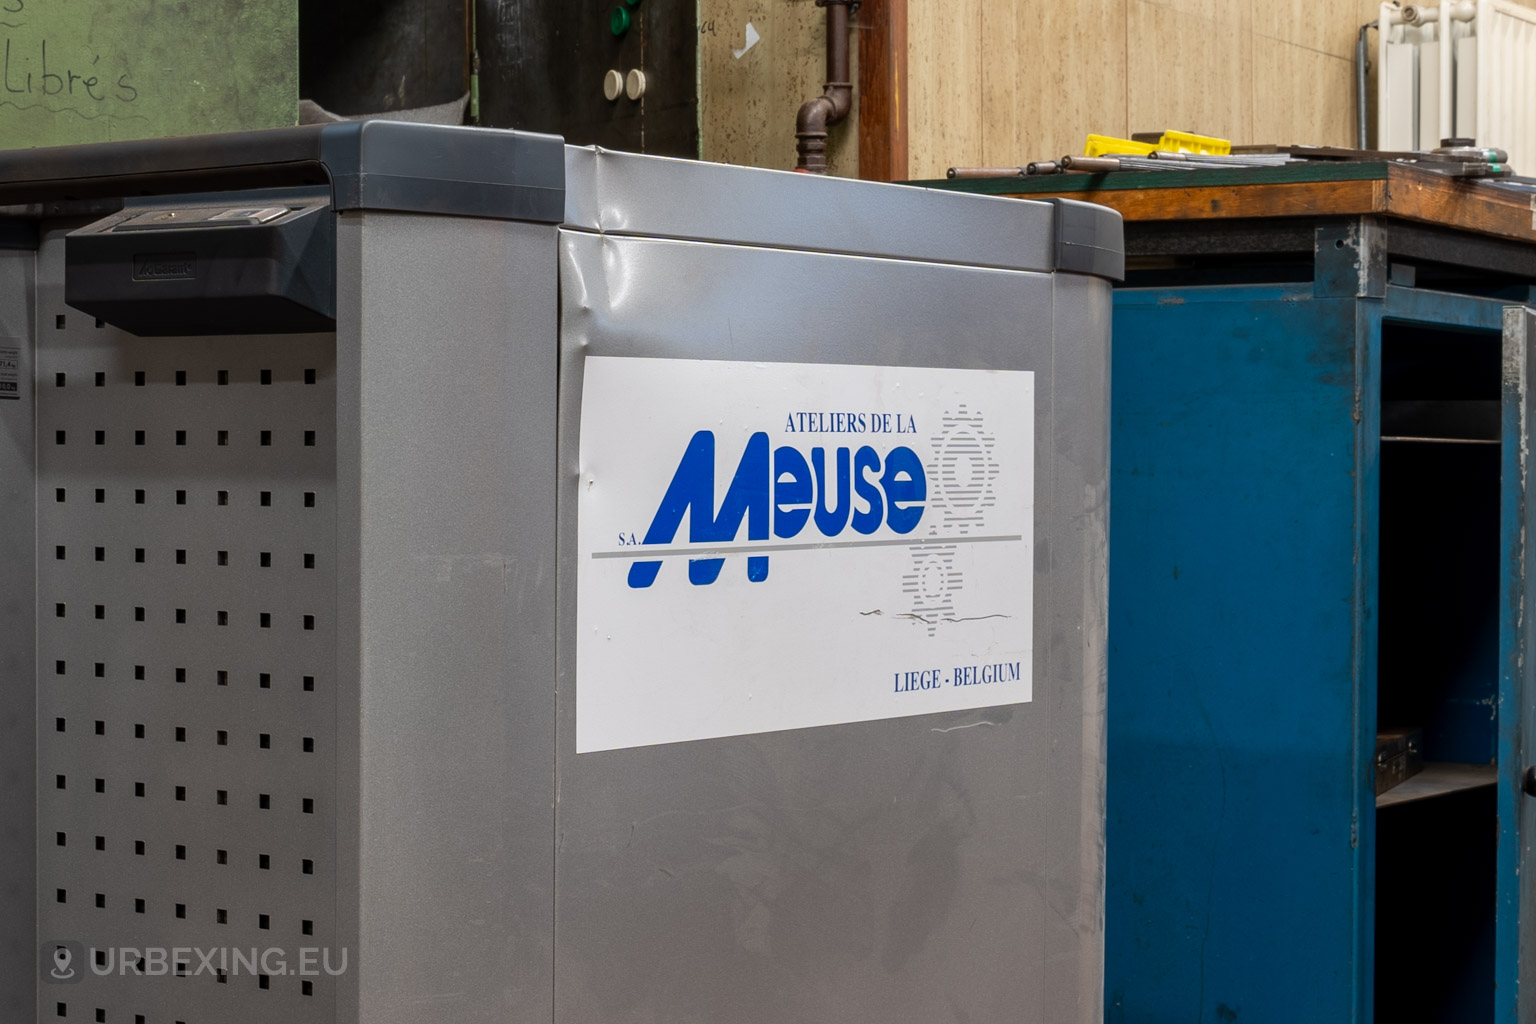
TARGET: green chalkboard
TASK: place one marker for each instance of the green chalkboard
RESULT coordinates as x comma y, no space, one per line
95,70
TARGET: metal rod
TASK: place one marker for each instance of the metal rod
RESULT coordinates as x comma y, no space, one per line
1103,164
1093,164
1142,163
986,172
1190,161
1240,160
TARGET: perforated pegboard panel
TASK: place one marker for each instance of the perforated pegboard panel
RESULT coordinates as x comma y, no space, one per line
186,651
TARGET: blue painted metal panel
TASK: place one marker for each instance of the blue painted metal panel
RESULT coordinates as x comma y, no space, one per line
1516,644
1444,309
1239,636
1365,626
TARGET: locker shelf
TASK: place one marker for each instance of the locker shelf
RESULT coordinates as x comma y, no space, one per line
1437,779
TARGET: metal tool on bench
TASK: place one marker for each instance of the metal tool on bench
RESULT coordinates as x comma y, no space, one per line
1169,151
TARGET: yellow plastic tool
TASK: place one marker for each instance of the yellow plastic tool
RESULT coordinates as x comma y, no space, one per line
1188,142
1108,145
1171,142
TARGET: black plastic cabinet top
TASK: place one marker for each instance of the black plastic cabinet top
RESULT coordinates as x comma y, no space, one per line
369,165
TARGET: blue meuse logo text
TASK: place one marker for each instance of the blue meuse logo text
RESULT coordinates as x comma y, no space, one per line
782,496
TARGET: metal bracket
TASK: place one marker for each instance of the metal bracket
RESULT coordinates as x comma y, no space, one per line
1350,258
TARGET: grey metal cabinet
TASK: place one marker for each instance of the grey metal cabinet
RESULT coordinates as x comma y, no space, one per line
607,586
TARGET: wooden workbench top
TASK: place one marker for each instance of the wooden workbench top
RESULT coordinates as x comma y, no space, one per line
1295,190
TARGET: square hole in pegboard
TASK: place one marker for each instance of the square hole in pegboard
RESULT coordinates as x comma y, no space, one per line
169,517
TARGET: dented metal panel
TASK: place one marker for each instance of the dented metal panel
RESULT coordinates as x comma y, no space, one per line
626,193
908,869
297,628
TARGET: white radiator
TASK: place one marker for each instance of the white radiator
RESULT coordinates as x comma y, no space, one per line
1464,69
1408,77
1503,105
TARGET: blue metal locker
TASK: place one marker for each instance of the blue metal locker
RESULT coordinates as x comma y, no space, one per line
1319,440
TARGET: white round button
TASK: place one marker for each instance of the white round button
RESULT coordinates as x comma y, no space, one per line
634,84
613,84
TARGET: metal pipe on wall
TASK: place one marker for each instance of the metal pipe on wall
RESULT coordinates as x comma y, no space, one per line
1362,63
819,114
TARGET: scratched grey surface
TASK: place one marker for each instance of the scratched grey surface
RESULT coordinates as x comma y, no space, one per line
936,868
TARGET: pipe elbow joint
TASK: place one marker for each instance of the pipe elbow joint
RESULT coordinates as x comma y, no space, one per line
811,125
827,109
814,117
840,96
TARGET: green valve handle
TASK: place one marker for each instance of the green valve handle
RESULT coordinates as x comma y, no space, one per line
618,21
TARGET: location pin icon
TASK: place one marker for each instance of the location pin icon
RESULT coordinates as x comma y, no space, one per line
61,959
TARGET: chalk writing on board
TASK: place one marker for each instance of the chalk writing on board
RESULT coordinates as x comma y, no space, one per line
20,75
76,71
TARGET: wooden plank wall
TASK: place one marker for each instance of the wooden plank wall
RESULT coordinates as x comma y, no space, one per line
1050,72
1008,81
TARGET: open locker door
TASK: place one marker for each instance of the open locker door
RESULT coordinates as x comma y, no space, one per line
1516,935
